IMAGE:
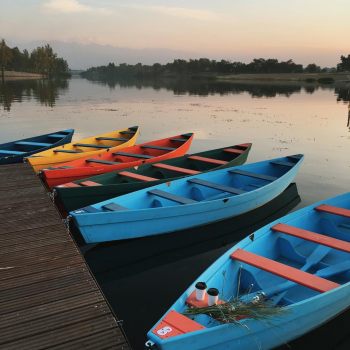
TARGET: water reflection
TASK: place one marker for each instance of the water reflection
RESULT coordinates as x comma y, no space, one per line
205,88
46,91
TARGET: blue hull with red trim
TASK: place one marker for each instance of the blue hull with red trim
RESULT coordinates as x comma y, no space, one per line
301,262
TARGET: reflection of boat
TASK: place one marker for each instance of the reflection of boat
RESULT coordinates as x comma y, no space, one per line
124,181
300,262
107,162
14,152
83,148
152,251
193,201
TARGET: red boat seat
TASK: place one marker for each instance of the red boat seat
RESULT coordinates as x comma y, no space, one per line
175,168
69,184
207,160
89,183
174,324
313,237
290,273
244,145
137,176
333,210
232,150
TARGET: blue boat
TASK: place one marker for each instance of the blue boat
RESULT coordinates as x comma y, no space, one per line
298,264
185,203
15,151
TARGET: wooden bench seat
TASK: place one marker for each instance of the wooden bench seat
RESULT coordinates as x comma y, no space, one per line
25,143
159,147
313,237
216,186
133,128
66,151
91,145
89,183
296,156
111,139
58,136
114,207
289,273
279,162
137,176
178,139
88,209
175,168
244,145
107,162
208,160
333,210
232,150
253,175
132,155
171,197
69,184
128,132
11,152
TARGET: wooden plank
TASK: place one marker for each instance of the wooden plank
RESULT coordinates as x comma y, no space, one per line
333,210
208,160
290,273
48,298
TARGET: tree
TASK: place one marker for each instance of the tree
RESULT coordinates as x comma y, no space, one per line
344,65
5,56
313,68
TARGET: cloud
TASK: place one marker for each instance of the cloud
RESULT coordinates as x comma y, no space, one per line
71,6
179,12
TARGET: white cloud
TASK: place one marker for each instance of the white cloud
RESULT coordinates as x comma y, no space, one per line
71,6
179,12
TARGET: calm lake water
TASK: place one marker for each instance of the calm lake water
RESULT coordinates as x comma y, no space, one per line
279,119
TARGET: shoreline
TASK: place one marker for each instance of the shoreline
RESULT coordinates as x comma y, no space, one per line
9,75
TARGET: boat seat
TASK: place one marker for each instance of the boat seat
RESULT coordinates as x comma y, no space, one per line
133,128
244,145
114,207
133,155
313,237
296,156
174,324
178,139
289,273
89,183
66,151
68,184
172,197
137,176
216,186
128,132
347,226
91,145
333,210
88,209
25,143
11,152
232,150
159,147
175,168
59,136
101,161
253,175
208,160
279,162
111,139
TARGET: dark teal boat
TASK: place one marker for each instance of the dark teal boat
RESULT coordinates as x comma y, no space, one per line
15,151
79,194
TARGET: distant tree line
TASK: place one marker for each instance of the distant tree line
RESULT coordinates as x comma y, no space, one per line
41,60
207,67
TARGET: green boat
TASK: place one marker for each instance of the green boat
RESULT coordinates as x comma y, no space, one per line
81,193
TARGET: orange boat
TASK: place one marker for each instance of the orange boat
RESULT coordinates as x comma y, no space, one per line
106,162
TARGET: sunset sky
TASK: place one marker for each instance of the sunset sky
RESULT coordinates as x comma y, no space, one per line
306,31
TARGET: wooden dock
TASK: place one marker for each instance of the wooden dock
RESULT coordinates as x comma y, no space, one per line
48,297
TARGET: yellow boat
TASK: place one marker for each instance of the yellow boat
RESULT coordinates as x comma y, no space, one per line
84,148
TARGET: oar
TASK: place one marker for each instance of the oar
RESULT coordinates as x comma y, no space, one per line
316,256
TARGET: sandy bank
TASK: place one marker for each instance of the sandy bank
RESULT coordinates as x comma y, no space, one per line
10,75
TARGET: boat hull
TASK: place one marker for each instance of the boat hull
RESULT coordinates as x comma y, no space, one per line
128,224
72,198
